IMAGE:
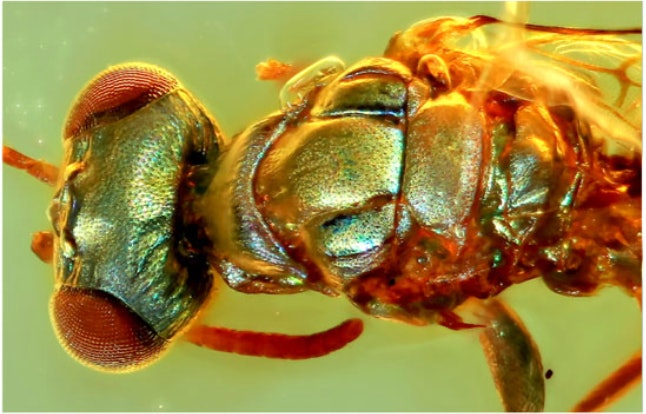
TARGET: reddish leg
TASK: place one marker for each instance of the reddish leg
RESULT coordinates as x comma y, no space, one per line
273,345
41,170
42,244
613,387
42,241
452,320
617,383
275,70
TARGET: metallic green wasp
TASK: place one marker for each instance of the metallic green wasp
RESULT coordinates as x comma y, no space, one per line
474,155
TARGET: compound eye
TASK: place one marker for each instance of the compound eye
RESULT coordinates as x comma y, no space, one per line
100,331
115,93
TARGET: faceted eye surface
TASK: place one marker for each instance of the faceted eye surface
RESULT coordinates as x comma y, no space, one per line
102,332
116,93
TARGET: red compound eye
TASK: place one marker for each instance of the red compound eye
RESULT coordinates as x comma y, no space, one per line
100,331
117,92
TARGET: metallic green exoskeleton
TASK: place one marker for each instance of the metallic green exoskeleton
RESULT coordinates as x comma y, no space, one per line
126,228
441,172
444,171
381,184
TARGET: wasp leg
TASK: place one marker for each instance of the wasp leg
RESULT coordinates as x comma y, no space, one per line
42,241
513,358
42,244
613,387
41,170
273,345
452,320
275,70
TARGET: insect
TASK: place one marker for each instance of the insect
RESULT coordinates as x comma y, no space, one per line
447,322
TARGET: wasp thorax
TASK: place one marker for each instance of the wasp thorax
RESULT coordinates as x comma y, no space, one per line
101,331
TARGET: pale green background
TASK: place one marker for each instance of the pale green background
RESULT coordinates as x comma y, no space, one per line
52,49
